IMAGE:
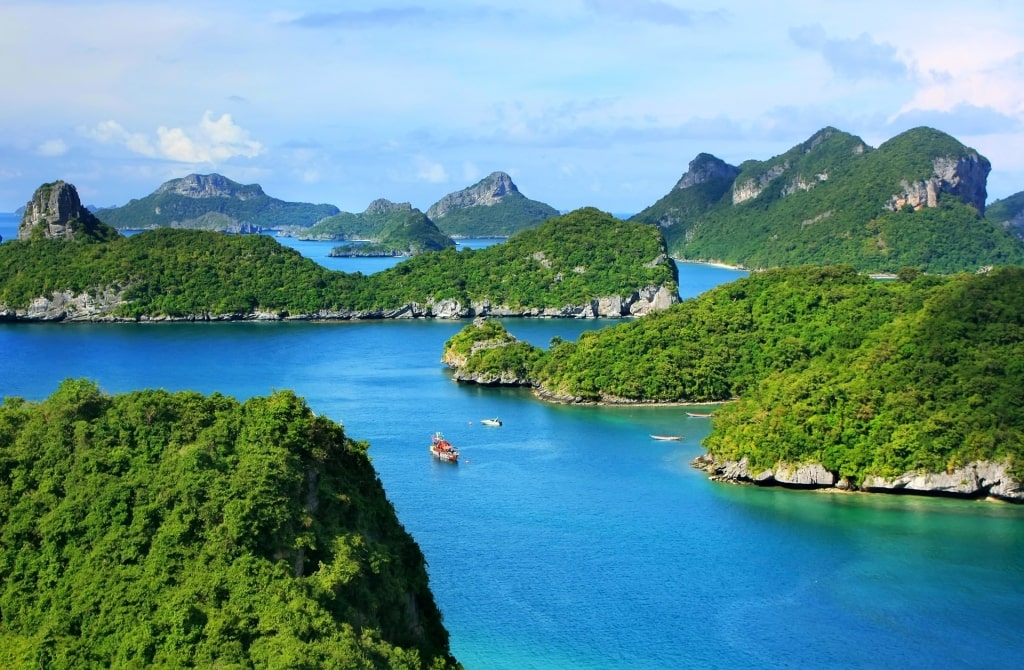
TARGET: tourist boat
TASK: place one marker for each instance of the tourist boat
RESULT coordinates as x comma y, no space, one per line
491,422
442,449
698,415
667,437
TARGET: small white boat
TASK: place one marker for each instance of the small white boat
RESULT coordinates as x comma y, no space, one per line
699,415
667,437
491,422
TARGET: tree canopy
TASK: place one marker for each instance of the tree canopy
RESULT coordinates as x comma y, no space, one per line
156,529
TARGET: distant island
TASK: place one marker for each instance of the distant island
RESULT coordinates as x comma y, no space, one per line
584,264
212,202
828,378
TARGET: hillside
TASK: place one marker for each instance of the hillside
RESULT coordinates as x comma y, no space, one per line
160,530
493,207
212,202
868,380
388,228
1008,213
585,263
917,200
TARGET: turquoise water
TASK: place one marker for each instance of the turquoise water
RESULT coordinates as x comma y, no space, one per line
568,538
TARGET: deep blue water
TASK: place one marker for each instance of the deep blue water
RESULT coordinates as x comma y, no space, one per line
568,538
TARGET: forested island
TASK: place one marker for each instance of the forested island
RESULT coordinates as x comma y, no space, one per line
832,378
583,264
157,529
916,200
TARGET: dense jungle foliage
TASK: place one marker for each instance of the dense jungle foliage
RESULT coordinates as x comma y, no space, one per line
510,215
865,376
824,202
569,260
157,529
238,204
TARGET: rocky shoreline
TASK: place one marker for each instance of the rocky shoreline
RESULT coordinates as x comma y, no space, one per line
102,307
976,480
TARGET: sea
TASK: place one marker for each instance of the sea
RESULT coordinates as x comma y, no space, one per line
569,539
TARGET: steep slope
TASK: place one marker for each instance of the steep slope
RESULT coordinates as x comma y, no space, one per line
213,202
493,207
56,212
155,529
915,201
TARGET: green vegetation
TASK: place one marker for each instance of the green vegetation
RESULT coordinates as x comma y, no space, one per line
510,215
405,233
1008,213
825,202
212,202
166,530
865,377
570,260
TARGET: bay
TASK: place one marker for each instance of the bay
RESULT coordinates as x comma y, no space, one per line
568,538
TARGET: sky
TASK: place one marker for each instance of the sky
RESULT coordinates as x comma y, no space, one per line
583,102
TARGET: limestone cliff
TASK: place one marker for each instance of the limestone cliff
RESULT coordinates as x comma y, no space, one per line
974,480
705,168
56,212
485,193
209,186
963,176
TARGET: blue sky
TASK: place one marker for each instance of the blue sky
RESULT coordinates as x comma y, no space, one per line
583,102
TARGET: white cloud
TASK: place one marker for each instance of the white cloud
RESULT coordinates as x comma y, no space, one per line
430,171
51,148
211,141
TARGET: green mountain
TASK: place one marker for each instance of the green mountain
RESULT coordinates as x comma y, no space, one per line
583,264
867,379
213,202
917,200
391,229
1008,214
159,530
493,207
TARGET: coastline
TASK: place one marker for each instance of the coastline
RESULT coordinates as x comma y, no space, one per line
714,264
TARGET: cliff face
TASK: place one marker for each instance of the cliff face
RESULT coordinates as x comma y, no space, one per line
963,176
705,168
486,192
55,211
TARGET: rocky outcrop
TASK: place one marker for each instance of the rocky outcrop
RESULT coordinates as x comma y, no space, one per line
56,212
963,177
209,186
975,480
705,168
385,206
488,191
750,188
66,306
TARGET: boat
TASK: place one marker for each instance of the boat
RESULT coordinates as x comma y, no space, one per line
667,437
698,415
442,449
491,422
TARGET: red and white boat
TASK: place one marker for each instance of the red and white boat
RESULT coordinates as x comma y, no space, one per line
442,449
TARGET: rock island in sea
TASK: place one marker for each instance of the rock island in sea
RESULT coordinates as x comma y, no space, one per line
828,378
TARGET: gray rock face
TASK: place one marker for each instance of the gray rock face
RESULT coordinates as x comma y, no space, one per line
209,186
705,168
55,211
385,206
974,479
964,177
977,479
486,192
